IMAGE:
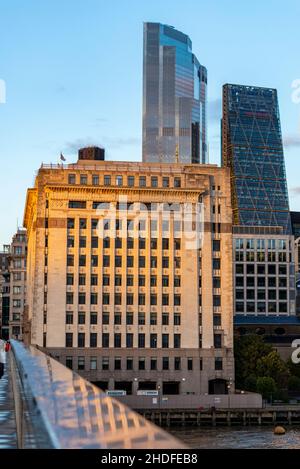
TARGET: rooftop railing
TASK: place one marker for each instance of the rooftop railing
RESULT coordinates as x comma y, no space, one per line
56,408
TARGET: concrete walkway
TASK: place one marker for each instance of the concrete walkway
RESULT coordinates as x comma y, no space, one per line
8,439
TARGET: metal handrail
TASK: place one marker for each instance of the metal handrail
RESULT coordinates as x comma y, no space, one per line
57,408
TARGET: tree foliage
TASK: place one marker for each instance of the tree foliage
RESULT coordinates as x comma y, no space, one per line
254,359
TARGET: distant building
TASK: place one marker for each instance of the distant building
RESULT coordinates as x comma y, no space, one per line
13,286
252,148
174,98
127,302
4,291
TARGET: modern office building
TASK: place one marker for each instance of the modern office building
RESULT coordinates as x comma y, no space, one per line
174,98
264,285
124,293
252,149
13,286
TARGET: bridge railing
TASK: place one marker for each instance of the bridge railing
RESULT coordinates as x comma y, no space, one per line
56,408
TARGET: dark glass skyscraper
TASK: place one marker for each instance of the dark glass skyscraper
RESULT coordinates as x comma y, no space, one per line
174,98
252,148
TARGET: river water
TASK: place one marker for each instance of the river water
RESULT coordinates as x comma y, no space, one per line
237,437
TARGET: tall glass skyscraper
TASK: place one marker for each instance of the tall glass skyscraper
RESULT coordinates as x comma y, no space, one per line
174,98
252,148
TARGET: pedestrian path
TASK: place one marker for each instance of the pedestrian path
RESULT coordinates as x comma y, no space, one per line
8,439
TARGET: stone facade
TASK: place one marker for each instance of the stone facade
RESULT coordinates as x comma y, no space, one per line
123,293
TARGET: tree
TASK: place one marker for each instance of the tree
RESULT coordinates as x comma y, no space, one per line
273,366
254,358
248,350
266,386
250,383
294,383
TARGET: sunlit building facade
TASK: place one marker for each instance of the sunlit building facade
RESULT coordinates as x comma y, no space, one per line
174,98
133,306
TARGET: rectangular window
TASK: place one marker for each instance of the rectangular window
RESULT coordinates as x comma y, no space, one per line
141,340
142,181
69,339
94,280
105,340
141,318
129,340
107,180
70,279
118,318
142,362
106,280
93,339
177,363
217,340
165,363
177,340
129,363
130,281
81,318
93,363
81,339
105,363
130,181
129,318
218,363
153,363
105,318
154,181
94,317
81,298
190,364
117,341
153,340
119,180
166,182
72,178
177,300
81,363
118,363
77,204
165,340
69,362
177,182
69,317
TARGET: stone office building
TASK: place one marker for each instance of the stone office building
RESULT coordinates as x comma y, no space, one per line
13,286
121,291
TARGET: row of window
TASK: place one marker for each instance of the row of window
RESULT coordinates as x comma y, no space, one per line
141,225
261,294
130,181
129,339
261,269
260,282
261,244
119,243
117,318
260,307
251,256
82,300
82,261
130,365
118,280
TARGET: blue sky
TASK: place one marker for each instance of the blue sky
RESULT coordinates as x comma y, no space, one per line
73,74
